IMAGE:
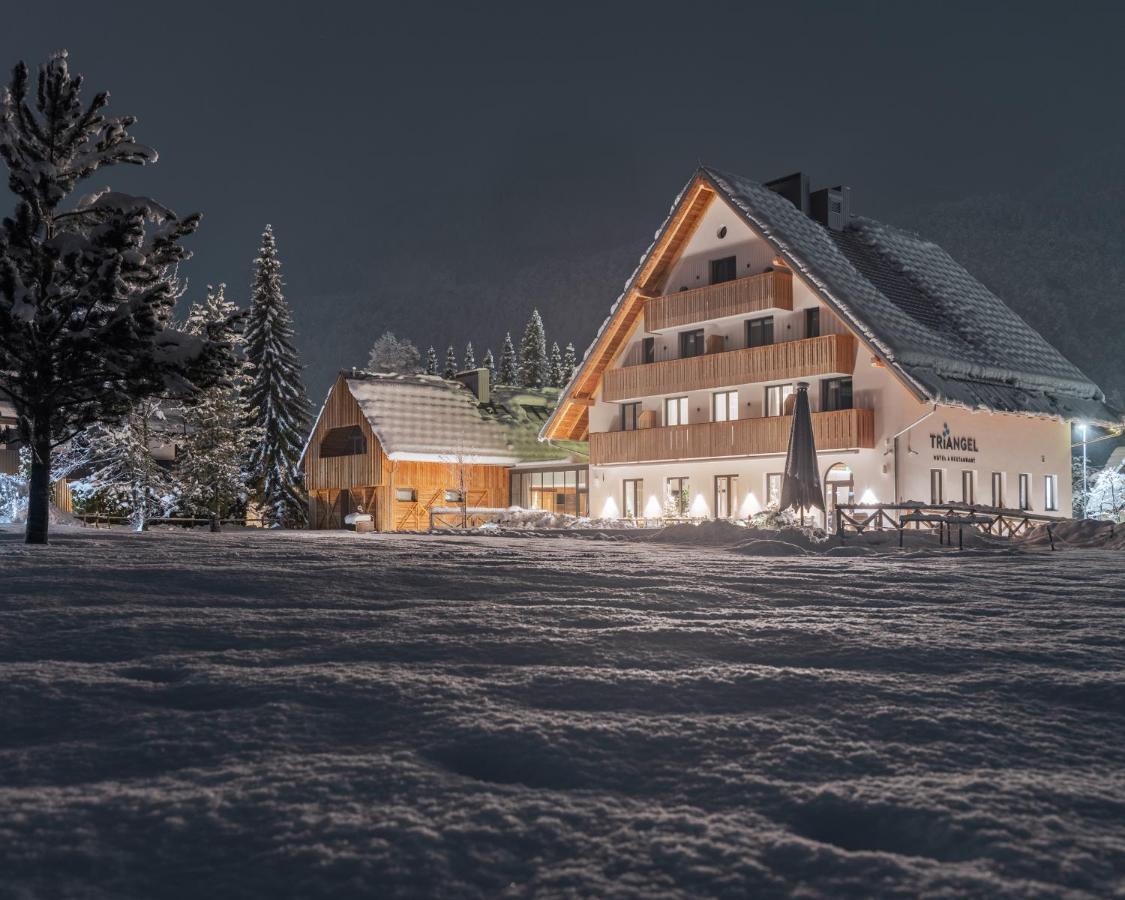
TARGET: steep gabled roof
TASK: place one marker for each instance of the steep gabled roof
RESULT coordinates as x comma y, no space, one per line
427,418
947,337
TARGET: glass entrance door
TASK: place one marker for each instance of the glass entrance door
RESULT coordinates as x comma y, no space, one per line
726,496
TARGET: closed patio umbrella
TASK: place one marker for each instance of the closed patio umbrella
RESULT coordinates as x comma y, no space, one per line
800,486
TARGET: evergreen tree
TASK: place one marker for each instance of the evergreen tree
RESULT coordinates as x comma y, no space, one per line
533,353
431,361
450,363
107,262
570,363
555,366
392,354
509,370
274,394
490,364
218,441
116,467
470,358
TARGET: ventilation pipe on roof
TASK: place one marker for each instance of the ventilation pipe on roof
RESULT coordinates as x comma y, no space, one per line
832,207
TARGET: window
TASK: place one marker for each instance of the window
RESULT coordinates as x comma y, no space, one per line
724,406
676,411
968,495
406,495
630,413
725,269
648,350
345,441
452,495
773,489
726,496
835,394
691,343
1050,492
998,489
812,322
632,498
676,496
936,493
1025,491
776,395
759,332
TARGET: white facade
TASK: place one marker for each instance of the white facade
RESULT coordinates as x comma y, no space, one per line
1004,447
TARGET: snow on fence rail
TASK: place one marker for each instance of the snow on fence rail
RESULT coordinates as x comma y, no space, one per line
859,517
466,515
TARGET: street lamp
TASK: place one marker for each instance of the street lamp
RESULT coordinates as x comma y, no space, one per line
1085,492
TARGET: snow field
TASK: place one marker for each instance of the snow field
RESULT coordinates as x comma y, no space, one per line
329,714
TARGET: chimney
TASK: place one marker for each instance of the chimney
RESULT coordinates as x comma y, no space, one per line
794,188
832,207
476,380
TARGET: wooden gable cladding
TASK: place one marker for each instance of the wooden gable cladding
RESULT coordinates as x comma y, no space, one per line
342,411
571,420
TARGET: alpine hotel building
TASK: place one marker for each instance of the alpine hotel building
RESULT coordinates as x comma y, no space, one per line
924,386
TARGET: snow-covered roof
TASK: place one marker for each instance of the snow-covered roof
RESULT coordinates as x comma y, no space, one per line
948,337
955,340
427,418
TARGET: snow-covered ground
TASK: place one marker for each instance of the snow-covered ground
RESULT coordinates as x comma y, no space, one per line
330,714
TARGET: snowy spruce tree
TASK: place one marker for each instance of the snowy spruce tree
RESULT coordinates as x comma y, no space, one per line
87,285
489,363
115,466
392,354
554,367
431,361
533,353
218,437
570,363
470,358
274,394
450,363
509,368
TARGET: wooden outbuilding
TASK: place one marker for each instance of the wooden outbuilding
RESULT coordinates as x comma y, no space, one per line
396,446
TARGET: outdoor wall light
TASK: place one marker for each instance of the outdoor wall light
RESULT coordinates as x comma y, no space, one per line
722,232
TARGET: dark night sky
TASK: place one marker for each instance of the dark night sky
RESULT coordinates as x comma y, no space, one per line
439,171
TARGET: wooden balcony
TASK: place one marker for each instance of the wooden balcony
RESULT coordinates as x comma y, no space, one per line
844,430
830,354
769,290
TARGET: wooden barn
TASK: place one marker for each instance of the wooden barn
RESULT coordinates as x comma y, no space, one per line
397,446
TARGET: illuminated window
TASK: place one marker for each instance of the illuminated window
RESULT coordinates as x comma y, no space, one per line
633,497
1025,491
724,406
676,411
936,486
406,495
998,489
776,395
1051,492
773,489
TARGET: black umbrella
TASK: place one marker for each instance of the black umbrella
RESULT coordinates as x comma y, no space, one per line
800,487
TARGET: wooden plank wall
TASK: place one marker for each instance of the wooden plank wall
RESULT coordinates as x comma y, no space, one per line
828,355
335,472
487,486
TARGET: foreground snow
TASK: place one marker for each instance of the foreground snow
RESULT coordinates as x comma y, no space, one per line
329,714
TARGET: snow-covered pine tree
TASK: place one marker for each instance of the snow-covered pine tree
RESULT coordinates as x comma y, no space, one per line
450,363
490,364
392,354
431,361
570,363
275,395
218,438
470,358
554,367
107,261
509,367
115,466
533,353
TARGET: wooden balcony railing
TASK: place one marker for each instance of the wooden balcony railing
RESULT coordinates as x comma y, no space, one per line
769,290
830,354
846,429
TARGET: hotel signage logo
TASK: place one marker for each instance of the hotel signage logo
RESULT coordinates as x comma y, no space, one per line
949,441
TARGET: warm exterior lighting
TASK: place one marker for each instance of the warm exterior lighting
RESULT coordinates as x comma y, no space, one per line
869,498
699,508
653,509
610,510
750,506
